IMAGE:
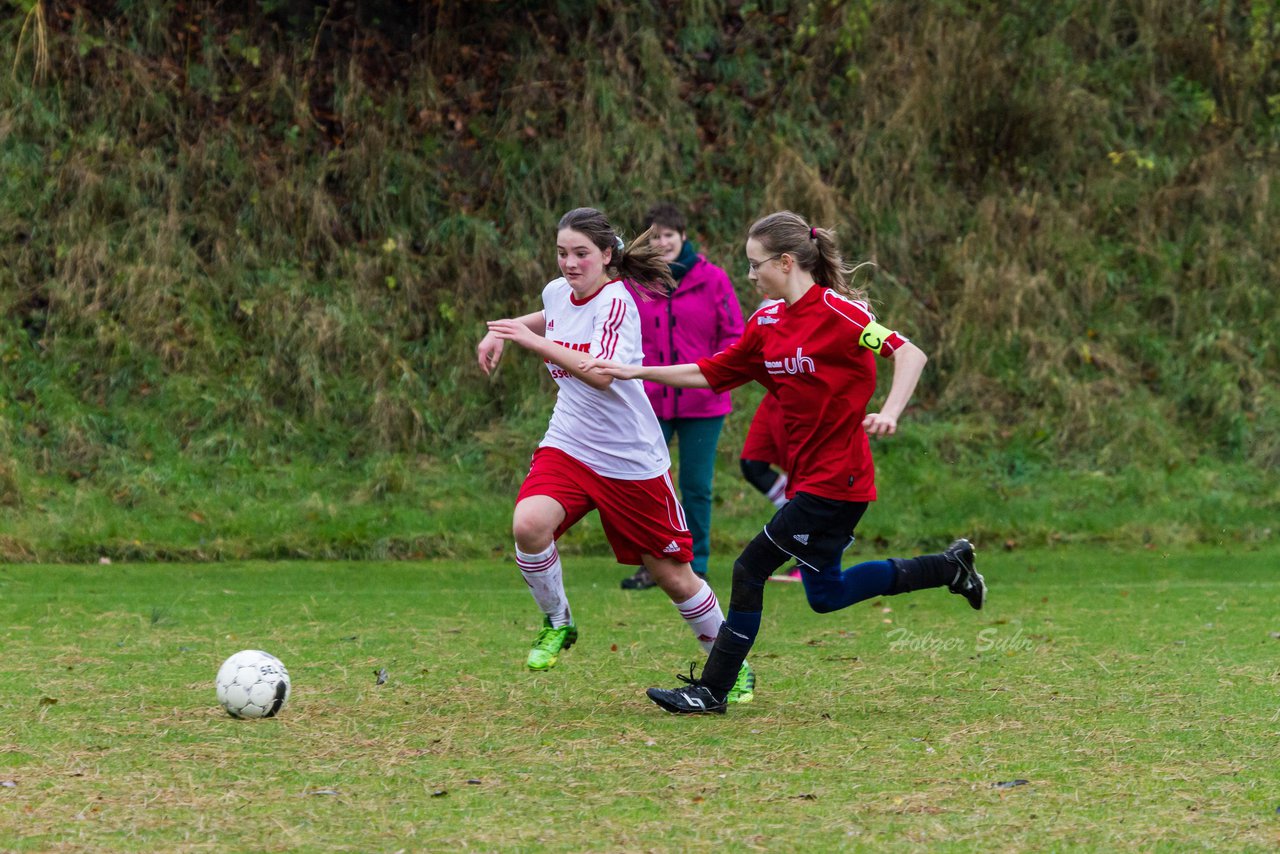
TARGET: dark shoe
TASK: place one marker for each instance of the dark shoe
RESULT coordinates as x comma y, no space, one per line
641,580
694,699
968,583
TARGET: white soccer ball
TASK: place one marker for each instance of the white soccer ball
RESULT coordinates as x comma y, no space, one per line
252,684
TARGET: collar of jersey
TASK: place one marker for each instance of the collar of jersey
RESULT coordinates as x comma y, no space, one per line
814,291
575,301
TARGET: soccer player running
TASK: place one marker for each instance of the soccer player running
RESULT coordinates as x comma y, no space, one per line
816,352
603,449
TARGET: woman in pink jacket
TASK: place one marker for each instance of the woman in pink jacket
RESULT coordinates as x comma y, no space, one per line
701,317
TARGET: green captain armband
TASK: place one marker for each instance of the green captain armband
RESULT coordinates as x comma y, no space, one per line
874,336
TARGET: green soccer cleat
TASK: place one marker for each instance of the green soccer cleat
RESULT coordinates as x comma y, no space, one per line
548,645
744,687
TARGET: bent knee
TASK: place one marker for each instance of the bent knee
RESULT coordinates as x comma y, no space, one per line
531,534
823,598
823,604
749,576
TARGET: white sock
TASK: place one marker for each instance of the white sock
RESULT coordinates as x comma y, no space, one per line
702,614
778,492
543,574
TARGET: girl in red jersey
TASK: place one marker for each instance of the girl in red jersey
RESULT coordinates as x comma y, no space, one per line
815,350
603,449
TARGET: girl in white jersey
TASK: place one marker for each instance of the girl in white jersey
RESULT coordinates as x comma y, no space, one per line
603,449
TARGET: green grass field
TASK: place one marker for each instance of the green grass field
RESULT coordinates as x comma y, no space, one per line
1136,693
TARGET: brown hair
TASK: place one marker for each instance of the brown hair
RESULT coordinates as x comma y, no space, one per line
814,249
666,215
640,263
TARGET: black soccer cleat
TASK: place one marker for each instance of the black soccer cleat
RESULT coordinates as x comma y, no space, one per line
693,699
968,583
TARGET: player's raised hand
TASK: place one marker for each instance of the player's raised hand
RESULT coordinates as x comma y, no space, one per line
879,424
609,368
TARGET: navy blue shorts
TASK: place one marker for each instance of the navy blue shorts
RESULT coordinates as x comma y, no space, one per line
815,531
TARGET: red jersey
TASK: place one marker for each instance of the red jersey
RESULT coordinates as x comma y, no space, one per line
818,356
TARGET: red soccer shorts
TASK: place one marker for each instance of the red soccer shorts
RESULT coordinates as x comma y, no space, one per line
638,516
766,437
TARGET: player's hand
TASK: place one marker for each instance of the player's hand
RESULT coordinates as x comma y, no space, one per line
879,424
488,352
512,330
617,370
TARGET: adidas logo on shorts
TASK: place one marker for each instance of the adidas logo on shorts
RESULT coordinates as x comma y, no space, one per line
671,548
802,539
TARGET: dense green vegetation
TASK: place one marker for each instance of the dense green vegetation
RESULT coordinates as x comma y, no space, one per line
243,242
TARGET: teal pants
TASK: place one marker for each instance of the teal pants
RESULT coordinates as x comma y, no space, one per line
696,439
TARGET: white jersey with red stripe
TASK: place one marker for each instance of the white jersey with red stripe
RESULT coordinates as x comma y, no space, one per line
611,431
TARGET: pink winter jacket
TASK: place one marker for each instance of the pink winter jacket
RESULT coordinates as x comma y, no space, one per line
701,317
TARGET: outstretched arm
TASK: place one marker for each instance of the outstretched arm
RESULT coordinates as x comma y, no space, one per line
558,354
908,363
680,376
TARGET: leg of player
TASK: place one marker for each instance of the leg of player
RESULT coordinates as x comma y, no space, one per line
692,596
698,606
709,694
771,484
534,525
953,569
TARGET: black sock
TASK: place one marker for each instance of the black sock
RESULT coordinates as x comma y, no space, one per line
921,573
725,660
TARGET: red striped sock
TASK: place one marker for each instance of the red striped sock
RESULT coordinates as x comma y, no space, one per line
702,614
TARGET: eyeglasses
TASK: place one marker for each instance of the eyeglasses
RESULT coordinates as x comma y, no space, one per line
754,266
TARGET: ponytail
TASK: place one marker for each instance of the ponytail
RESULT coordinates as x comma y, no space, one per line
815,249
641,264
